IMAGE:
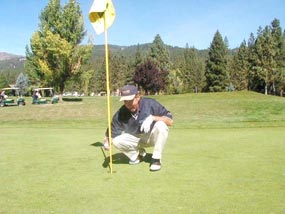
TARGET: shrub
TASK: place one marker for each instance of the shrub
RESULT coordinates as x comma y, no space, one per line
72,99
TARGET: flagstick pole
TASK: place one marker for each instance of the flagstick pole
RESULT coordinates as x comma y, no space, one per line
108,95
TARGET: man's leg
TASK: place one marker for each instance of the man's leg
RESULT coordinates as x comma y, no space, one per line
128,144
158,139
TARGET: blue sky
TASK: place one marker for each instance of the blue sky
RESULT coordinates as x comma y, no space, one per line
139,21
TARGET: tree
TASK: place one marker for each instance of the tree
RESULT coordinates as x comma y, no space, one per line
226,41
3,80
253,81
266,65
193,72
22,83
119,72
175,79
216,65
160,56
239,68
55,53
147,77
138,56
278,82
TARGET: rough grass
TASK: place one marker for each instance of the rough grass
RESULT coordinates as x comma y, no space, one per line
225,154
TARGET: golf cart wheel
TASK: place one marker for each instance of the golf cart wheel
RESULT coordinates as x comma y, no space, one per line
21,104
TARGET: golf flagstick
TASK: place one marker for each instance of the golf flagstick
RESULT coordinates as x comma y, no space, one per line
102,16
108,96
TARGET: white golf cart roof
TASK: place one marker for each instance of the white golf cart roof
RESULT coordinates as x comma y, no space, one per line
4,89
49,88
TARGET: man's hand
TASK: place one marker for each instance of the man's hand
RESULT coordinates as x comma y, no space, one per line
145,127
106,144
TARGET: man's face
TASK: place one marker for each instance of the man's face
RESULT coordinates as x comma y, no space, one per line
133,104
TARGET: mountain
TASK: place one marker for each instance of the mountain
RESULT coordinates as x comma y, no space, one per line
7,56
11,62
130,51
15,63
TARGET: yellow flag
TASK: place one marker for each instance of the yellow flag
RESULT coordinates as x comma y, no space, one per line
99,9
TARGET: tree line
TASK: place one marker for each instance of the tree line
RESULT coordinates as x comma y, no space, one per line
257,65
56,58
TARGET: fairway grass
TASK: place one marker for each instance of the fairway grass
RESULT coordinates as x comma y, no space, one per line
222,156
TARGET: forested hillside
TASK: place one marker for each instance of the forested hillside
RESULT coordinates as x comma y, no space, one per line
12,65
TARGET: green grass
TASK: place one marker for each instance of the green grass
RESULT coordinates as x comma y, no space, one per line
225,154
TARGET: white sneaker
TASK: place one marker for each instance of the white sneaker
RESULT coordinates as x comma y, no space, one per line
135,162
155,165
142,154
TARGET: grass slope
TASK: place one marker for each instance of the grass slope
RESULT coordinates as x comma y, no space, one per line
225,154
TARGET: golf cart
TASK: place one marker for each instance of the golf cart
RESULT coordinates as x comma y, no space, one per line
42,95
7,100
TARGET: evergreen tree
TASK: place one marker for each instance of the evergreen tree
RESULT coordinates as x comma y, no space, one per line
253,81
266,65
55,53
188,68
133,65
239,68
128,74
99,79
118,72
175,79
100,74
138,56
281,74
22,83
160,56
216,65
278,83
226,41
193,72
3,80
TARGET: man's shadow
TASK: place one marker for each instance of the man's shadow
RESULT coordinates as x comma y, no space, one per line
118,158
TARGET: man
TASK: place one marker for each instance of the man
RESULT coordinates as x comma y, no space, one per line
140,122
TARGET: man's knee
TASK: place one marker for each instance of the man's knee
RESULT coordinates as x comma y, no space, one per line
160,126
117,141
125,141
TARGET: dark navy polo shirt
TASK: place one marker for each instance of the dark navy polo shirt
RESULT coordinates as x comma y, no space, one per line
125,121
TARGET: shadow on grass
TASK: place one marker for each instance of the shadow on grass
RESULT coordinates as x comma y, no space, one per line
118,158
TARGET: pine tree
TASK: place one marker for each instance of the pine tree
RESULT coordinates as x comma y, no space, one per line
138,56
175,79
118,72
266,65
3,80
252,62
239,68
160,56
139,59
278,83
159,53
22,83
193,72
216,65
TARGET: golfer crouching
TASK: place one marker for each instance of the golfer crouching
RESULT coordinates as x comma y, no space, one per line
140,122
